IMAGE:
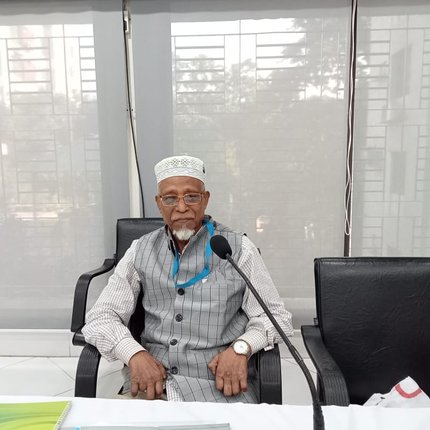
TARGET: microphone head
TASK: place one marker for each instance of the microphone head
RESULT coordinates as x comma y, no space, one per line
220,246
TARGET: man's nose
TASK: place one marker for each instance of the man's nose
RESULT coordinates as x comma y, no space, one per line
181,206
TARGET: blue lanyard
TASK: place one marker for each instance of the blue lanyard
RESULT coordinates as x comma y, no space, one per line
205,271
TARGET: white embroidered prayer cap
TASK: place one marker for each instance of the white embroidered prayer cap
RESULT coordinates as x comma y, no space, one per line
180,165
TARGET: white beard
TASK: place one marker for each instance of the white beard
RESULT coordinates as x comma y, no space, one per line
183,234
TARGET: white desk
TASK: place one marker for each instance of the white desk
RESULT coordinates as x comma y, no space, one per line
240,416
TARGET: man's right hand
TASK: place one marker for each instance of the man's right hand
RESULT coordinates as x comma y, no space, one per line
147,374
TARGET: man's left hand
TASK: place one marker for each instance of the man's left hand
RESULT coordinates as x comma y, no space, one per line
230,371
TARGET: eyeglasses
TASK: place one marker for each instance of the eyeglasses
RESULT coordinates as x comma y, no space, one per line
189,199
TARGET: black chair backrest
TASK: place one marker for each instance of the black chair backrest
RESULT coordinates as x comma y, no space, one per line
129,229
374,315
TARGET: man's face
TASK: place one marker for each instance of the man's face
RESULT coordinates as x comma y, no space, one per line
182,216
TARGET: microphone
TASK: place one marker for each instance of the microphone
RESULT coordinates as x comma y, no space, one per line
222,249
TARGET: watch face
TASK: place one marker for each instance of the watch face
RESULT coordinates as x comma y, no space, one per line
241,347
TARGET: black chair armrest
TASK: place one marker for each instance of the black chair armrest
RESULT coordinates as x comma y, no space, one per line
268,373
78,339
81,293
332,387
87,371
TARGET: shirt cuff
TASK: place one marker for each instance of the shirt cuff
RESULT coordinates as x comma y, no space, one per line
255,339
126,348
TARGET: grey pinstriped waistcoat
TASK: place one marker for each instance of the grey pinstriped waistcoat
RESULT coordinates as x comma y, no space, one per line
186,327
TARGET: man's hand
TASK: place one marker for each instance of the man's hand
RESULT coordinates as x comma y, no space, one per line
230,371
147,374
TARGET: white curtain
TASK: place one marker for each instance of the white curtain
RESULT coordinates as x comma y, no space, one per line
63,160
391,198
258,91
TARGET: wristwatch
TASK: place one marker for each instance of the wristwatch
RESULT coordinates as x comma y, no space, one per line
242,348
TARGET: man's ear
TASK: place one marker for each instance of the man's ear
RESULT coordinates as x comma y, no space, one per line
207,196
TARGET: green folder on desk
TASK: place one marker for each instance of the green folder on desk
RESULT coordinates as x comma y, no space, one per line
33,416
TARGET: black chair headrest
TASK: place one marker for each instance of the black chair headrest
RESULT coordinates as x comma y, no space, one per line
129,229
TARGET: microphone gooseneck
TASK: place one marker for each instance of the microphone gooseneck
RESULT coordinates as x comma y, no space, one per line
222,249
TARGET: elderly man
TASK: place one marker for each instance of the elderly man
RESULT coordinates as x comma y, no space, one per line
201,322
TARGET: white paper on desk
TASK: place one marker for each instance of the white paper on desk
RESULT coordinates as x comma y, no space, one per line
221,426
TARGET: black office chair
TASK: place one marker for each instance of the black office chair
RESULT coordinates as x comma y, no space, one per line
372,328
264,367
